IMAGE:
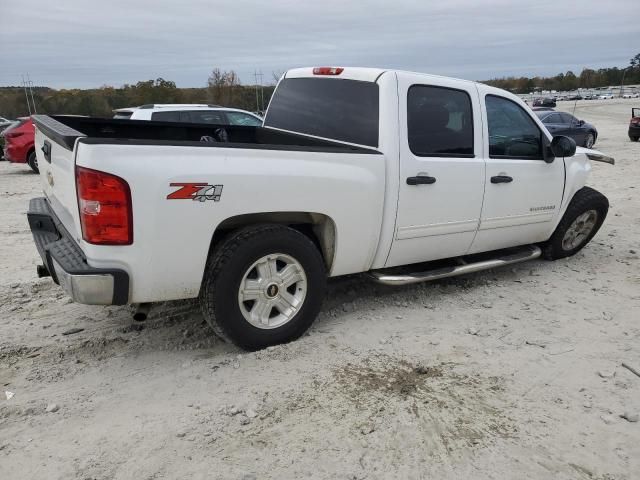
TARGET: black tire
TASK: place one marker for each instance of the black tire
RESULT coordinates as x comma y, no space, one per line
227,267
32,161
633,138
585,200
589,140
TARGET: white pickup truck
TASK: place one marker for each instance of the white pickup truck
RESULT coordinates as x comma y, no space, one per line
406,176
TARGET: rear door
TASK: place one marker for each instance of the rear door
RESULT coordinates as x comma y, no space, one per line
441,169
523,193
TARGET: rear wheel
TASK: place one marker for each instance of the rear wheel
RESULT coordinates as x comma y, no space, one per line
582,220
264,285
633,138
32,161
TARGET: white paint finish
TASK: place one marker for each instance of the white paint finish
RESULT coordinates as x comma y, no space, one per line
379,219
350,73
174,235
139,113
510,211
61,171
449,208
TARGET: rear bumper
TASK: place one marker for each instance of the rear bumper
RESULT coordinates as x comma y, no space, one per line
15,153
67,264
634,131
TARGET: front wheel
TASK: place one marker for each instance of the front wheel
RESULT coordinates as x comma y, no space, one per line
589,140
582,220
32,161
264,285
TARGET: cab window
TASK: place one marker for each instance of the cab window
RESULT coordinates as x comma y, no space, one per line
239,118
512,132
439,122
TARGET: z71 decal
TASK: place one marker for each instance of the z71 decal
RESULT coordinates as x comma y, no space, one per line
198,192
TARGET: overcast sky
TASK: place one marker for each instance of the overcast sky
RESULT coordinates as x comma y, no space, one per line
88,43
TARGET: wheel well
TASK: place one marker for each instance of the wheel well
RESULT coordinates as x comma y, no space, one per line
319,228
29,152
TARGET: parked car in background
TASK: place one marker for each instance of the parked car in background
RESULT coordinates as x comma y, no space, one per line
190,113
634,125
631,95
562,123
543,109
544,102
19,143
606,96
575,97
4,123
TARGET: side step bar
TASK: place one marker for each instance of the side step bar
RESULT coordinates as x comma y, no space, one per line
529,253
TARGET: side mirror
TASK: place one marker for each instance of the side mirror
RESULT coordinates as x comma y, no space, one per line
580,123
562,146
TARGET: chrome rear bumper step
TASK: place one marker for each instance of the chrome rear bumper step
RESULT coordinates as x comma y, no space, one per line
528,253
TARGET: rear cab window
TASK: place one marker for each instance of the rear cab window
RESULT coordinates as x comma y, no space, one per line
337,109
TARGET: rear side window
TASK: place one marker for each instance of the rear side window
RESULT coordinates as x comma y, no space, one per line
239,118
439,121
345,110
512,132
165,116
214,117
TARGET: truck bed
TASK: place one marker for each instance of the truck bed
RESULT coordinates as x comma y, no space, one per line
65,130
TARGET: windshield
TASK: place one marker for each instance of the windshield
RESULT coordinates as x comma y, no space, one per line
345,110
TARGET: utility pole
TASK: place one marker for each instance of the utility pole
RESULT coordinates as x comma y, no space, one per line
255,77
622,83
26,95
33,102
27,85
261,92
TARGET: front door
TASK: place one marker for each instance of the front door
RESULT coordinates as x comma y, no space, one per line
523,193
441,169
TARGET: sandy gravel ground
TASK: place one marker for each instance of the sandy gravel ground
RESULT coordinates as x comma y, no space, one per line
507,374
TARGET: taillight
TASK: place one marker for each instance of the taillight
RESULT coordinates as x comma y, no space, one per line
328,70
104,201
13,134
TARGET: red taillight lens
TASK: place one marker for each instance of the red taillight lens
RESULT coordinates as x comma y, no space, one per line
104,202
328,70
13,134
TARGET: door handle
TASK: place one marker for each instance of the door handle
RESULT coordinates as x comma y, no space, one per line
421,180
501,179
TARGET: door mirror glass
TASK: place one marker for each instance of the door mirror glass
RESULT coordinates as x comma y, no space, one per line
562,146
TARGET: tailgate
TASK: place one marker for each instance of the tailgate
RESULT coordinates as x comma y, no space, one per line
55,148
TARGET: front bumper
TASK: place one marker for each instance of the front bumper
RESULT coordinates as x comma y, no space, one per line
67,264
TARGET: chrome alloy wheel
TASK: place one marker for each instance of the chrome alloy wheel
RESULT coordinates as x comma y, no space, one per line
272,291
579,230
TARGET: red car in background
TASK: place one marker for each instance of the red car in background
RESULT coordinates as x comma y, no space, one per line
19,143
634,125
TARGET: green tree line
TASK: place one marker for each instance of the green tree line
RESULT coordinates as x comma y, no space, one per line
587,78
224,88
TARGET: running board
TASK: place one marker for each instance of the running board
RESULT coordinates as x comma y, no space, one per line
530,253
